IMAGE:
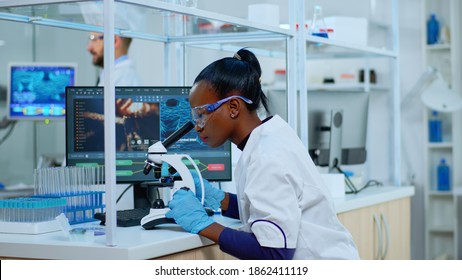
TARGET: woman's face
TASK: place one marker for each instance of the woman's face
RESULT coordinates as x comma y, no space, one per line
216,126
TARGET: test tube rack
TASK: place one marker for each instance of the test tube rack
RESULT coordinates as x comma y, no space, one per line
30,215
79,185
81,206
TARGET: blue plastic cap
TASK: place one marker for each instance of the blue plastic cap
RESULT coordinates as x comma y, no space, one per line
349,173
443,161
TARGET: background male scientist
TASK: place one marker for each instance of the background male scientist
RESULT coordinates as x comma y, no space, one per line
124,68
126,18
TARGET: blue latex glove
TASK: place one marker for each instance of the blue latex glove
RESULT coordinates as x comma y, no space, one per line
188,212
213,196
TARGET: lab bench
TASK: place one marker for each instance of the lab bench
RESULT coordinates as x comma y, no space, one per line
167,242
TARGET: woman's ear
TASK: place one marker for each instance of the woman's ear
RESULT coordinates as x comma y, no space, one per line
234,107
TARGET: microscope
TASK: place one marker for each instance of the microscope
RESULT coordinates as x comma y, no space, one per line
156,157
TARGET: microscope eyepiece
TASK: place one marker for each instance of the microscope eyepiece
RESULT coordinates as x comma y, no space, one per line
177,134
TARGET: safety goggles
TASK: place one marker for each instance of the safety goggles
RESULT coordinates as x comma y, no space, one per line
94,38
200,114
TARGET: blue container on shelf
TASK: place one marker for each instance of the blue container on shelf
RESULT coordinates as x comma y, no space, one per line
435,129
318,26
433,30
443,176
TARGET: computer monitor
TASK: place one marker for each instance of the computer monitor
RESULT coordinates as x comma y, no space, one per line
337,127
144,116
349,139
36,91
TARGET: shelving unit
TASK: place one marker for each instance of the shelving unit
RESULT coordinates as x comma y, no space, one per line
293,45
443,210
313,49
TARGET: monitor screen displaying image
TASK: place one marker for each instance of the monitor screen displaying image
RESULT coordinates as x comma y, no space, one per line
37,91
144,115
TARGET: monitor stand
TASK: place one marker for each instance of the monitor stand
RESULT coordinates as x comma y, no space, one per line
335,142
140,196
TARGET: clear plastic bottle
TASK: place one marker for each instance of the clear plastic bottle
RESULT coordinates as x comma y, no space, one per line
435,128
443,176
318,26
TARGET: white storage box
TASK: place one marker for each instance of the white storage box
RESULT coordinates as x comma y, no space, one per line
353,30
335,183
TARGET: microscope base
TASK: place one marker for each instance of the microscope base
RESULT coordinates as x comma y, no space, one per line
156,217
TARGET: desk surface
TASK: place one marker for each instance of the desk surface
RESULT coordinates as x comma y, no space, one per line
137,243
372,196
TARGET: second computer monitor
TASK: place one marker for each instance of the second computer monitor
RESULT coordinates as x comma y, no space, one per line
36,91
343,114
354,106
144,115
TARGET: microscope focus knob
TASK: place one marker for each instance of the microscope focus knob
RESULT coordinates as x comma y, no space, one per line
158,204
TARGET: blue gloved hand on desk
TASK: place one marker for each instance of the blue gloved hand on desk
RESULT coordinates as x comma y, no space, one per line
188,212
213,196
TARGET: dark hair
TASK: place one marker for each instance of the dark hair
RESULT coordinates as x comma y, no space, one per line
239,73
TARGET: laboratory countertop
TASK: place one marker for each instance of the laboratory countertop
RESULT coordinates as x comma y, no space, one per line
371,196
137,243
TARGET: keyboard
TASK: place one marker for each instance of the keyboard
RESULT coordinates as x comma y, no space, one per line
125,218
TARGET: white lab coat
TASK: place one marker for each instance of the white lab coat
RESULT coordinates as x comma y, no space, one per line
124,74
283,200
